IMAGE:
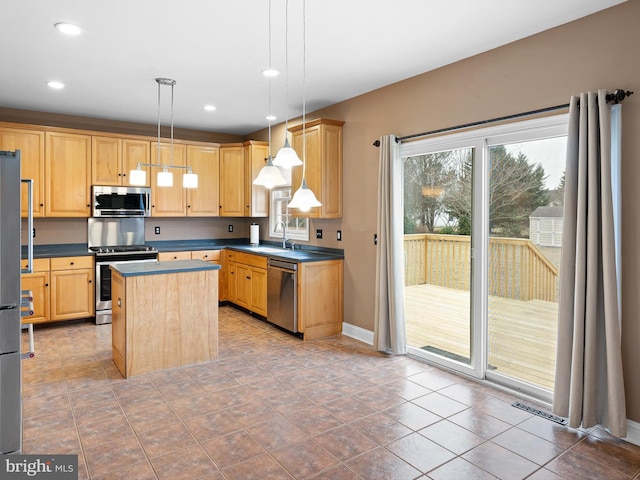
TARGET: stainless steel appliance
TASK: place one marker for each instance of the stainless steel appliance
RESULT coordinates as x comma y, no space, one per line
115,240
123,202
282,294
10,297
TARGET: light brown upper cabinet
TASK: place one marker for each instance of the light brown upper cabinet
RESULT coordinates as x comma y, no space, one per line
67,174
112,158
232,180
256,197
168,201
323,165
204,201
31,146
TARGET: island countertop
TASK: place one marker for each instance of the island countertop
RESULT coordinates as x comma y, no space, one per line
133,269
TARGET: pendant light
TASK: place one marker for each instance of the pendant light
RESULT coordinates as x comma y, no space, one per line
269,175
165,177
304,199
287,156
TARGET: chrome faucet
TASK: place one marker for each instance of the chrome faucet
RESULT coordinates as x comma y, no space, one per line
284,233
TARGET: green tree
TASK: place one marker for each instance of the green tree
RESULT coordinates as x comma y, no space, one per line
426,178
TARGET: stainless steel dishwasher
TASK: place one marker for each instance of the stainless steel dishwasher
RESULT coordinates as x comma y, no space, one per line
282,294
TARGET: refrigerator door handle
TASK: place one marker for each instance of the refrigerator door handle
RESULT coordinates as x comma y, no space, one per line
29,268
8,306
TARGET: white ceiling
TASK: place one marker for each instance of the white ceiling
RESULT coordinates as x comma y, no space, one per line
216,49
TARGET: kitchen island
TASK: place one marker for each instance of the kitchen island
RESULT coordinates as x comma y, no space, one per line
165,315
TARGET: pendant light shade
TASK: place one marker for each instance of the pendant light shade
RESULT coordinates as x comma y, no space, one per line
270,176
138,177
190,180
304,199
287,156
165,178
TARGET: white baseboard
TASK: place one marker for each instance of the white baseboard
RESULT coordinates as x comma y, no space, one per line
633,432
358,333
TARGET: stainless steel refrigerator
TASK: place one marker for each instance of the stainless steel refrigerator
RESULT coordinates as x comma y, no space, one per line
10,298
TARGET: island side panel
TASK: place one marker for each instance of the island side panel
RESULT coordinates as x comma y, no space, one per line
172,320
118,322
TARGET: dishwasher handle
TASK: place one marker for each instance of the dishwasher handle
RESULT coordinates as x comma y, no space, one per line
282,265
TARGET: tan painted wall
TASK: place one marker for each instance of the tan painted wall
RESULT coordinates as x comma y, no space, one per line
540,71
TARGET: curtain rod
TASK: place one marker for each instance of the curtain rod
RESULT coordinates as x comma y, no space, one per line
616,97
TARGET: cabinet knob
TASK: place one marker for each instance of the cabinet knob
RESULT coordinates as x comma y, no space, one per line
46,284
188,206
248,278
42,204
70,263
90,281
206,256
119,174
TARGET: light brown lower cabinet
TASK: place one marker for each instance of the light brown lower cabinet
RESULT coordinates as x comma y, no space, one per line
320,298
247,281
62,288
38,283
72,288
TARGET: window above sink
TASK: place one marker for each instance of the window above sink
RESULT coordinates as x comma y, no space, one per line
297,228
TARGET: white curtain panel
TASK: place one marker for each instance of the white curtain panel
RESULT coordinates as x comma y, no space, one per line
589,384
389,327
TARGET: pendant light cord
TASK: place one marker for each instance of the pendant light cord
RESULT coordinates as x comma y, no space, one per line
158,119
270,66
304,88
171,161
286,68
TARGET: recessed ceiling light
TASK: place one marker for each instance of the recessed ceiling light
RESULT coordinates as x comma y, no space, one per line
209,108
271,118
270,72
68,28
55,85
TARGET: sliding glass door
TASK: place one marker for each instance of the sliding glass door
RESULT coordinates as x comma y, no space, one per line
482,243
437,219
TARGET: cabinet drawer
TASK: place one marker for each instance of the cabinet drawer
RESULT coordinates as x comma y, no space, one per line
71,263
39,264
206,255
248,259
168,256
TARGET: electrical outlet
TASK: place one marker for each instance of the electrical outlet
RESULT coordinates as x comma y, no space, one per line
319,233
157,230
231,228
339,235
34,233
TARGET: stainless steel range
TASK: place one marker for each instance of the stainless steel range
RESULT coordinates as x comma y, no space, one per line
115,240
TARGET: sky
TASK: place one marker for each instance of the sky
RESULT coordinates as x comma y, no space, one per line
549,152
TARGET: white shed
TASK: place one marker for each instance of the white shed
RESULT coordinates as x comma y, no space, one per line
545,226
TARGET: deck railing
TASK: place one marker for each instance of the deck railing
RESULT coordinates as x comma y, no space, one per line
517,268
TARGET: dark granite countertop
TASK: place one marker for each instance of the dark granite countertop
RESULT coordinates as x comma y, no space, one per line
134,269
302,253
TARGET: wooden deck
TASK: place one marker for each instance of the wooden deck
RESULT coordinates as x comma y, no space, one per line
522,334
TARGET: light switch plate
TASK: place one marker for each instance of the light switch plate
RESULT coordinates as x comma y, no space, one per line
339,235
319,233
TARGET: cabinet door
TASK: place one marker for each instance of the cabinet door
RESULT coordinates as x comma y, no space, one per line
313,165
38,283
231,283
67,174
243,285
31,146
232,181
168,201
134,152
204,201
72,294
106,161
256,196
259,291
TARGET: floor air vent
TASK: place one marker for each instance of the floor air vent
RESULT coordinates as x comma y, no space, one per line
540,413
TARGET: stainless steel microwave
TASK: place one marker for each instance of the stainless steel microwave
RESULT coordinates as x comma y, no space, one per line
122,202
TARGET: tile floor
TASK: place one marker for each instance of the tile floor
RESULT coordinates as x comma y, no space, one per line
273,407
